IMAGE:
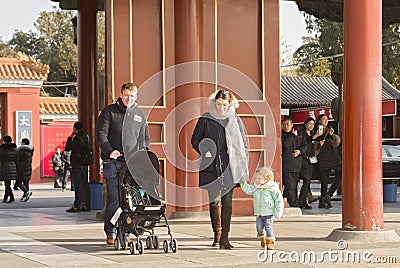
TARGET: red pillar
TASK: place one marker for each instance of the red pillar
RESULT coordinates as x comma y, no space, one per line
88,75
188,40
362,155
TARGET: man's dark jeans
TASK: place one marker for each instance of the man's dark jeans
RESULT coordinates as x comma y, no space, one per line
79,175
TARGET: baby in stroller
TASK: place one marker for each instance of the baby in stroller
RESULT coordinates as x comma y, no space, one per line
140,207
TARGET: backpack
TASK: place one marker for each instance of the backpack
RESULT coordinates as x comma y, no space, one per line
86,155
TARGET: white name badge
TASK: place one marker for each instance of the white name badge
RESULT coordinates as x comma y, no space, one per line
137,118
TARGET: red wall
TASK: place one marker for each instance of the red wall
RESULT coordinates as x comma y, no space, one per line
23,99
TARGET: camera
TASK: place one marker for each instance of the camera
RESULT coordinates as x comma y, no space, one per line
320,128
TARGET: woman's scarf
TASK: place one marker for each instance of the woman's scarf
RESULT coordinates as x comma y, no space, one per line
238,161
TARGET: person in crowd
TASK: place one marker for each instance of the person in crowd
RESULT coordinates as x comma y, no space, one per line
77,143
328,158
219,138
58,167
24,168
294,146
66,160
268,204
109,138
8,171
309,159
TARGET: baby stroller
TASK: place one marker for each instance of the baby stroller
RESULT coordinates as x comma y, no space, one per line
140,209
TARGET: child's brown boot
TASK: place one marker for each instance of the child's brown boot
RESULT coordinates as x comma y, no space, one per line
263,240
270,243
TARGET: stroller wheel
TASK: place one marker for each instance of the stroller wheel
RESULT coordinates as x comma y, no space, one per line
165,246
148,242
155,242
123,243
116,243
131,248
140,247
174,245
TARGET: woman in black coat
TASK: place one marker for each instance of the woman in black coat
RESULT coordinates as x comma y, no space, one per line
24,168
309,159
220,140
8,159
325,145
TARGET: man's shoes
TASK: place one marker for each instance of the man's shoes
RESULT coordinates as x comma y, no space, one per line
12,200
26,197
85,208
64,189
306,206
73,209
110,240
311,198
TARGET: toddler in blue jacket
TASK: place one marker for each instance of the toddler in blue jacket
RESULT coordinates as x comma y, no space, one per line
268,203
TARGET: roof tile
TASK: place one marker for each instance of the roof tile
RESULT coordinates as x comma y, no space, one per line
23,67
297,92
59,105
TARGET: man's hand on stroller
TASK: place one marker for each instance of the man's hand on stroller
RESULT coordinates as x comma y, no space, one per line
115,154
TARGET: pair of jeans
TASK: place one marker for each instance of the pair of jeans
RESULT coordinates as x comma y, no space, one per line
110,169
80,176
23,185
290,180
264,226
64,178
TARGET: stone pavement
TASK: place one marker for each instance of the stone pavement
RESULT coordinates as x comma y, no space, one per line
40,233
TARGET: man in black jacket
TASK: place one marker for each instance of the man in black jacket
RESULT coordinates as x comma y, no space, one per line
24,168
113,152
293,146
77,143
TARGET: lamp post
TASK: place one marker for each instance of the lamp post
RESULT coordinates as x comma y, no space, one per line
74,21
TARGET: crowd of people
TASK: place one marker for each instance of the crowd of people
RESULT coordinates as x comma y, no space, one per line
16,166
311,152
219,138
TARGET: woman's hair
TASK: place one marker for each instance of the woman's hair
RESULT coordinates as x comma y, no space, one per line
320,116
265,172
225,95
306,122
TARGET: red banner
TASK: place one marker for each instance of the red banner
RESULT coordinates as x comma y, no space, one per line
52,137
298,117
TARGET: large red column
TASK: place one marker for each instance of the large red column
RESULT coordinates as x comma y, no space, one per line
88,75
188,40
362,136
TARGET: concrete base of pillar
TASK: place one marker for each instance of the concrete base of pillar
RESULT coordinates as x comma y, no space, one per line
292,211
189,215
364,236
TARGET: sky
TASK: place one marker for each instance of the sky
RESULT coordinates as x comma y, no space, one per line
21,14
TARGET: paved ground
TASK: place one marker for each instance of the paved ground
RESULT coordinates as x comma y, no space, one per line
40,233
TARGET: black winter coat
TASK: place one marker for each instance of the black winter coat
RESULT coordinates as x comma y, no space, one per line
210,131
66,158
77,145
24,162
109,129
291,142
8,159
